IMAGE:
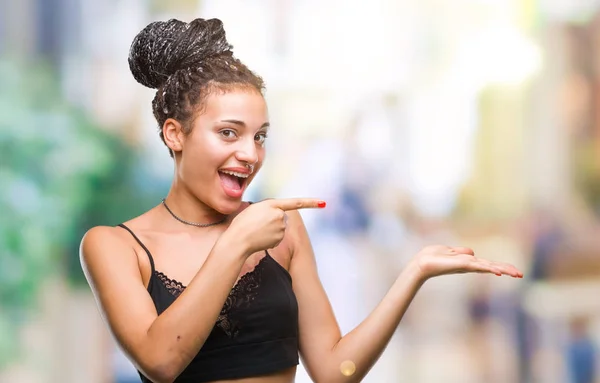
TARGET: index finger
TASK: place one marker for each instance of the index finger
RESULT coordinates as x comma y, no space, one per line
298,203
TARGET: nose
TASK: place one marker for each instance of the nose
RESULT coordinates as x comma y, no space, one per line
247,151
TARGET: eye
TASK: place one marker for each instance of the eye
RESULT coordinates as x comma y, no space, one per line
261,137
227,133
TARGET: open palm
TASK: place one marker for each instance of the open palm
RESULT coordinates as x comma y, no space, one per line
442,260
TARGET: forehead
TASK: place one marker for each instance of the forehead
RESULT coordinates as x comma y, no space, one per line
244,105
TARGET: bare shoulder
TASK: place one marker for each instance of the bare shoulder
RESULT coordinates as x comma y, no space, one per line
104,251
296,230
101,233
102,241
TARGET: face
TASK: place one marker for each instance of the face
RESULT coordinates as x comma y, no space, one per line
225,149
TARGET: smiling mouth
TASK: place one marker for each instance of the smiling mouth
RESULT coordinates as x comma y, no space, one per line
233,180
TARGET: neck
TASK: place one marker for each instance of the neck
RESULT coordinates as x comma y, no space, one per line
189,208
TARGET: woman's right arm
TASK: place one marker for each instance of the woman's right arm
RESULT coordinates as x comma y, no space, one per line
160,346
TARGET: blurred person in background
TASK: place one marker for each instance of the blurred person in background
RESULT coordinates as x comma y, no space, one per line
199,288
582,357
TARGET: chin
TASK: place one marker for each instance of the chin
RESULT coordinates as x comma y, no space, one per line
228,206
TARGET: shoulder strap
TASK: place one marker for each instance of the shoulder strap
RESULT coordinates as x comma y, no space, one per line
141,244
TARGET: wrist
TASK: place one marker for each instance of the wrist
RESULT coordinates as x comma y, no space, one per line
413,272
232,244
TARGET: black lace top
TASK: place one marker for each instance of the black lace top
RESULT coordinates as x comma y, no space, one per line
256,332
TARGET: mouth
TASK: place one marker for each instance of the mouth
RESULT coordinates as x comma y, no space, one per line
233,182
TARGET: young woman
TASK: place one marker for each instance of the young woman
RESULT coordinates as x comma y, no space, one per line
205,287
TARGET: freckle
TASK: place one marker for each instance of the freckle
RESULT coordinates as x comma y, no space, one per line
347,368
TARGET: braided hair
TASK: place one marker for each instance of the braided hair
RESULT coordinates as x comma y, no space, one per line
185,62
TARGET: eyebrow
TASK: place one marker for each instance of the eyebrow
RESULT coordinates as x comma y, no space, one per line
243,124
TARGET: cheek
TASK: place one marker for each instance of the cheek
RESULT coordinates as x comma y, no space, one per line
204,150
261,153
200,158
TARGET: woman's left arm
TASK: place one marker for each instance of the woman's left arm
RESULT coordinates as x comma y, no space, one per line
329,357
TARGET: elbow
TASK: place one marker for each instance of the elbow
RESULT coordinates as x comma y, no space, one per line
335,375
162,363
160,374
338,379
162,370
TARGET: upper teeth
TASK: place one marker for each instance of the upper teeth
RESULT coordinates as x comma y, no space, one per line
241,175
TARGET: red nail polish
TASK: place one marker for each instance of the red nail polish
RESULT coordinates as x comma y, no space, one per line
322,204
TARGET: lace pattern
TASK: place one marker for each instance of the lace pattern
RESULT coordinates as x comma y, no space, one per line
241,296
174,287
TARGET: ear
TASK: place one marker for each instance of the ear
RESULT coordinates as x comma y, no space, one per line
173,134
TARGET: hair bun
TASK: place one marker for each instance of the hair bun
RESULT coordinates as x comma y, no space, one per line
163,47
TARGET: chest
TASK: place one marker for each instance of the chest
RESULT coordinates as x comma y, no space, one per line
178,258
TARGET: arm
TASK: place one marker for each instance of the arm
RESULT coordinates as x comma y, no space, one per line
322,347
160,346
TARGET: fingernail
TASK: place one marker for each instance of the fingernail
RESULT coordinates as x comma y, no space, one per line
322,204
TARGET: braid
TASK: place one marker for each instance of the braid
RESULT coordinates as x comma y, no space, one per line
185,63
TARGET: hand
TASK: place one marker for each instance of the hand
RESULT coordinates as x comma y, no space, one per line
262,225
438,260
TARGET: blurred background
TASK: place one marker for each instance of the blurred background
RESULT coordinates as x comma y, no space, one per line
463,122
